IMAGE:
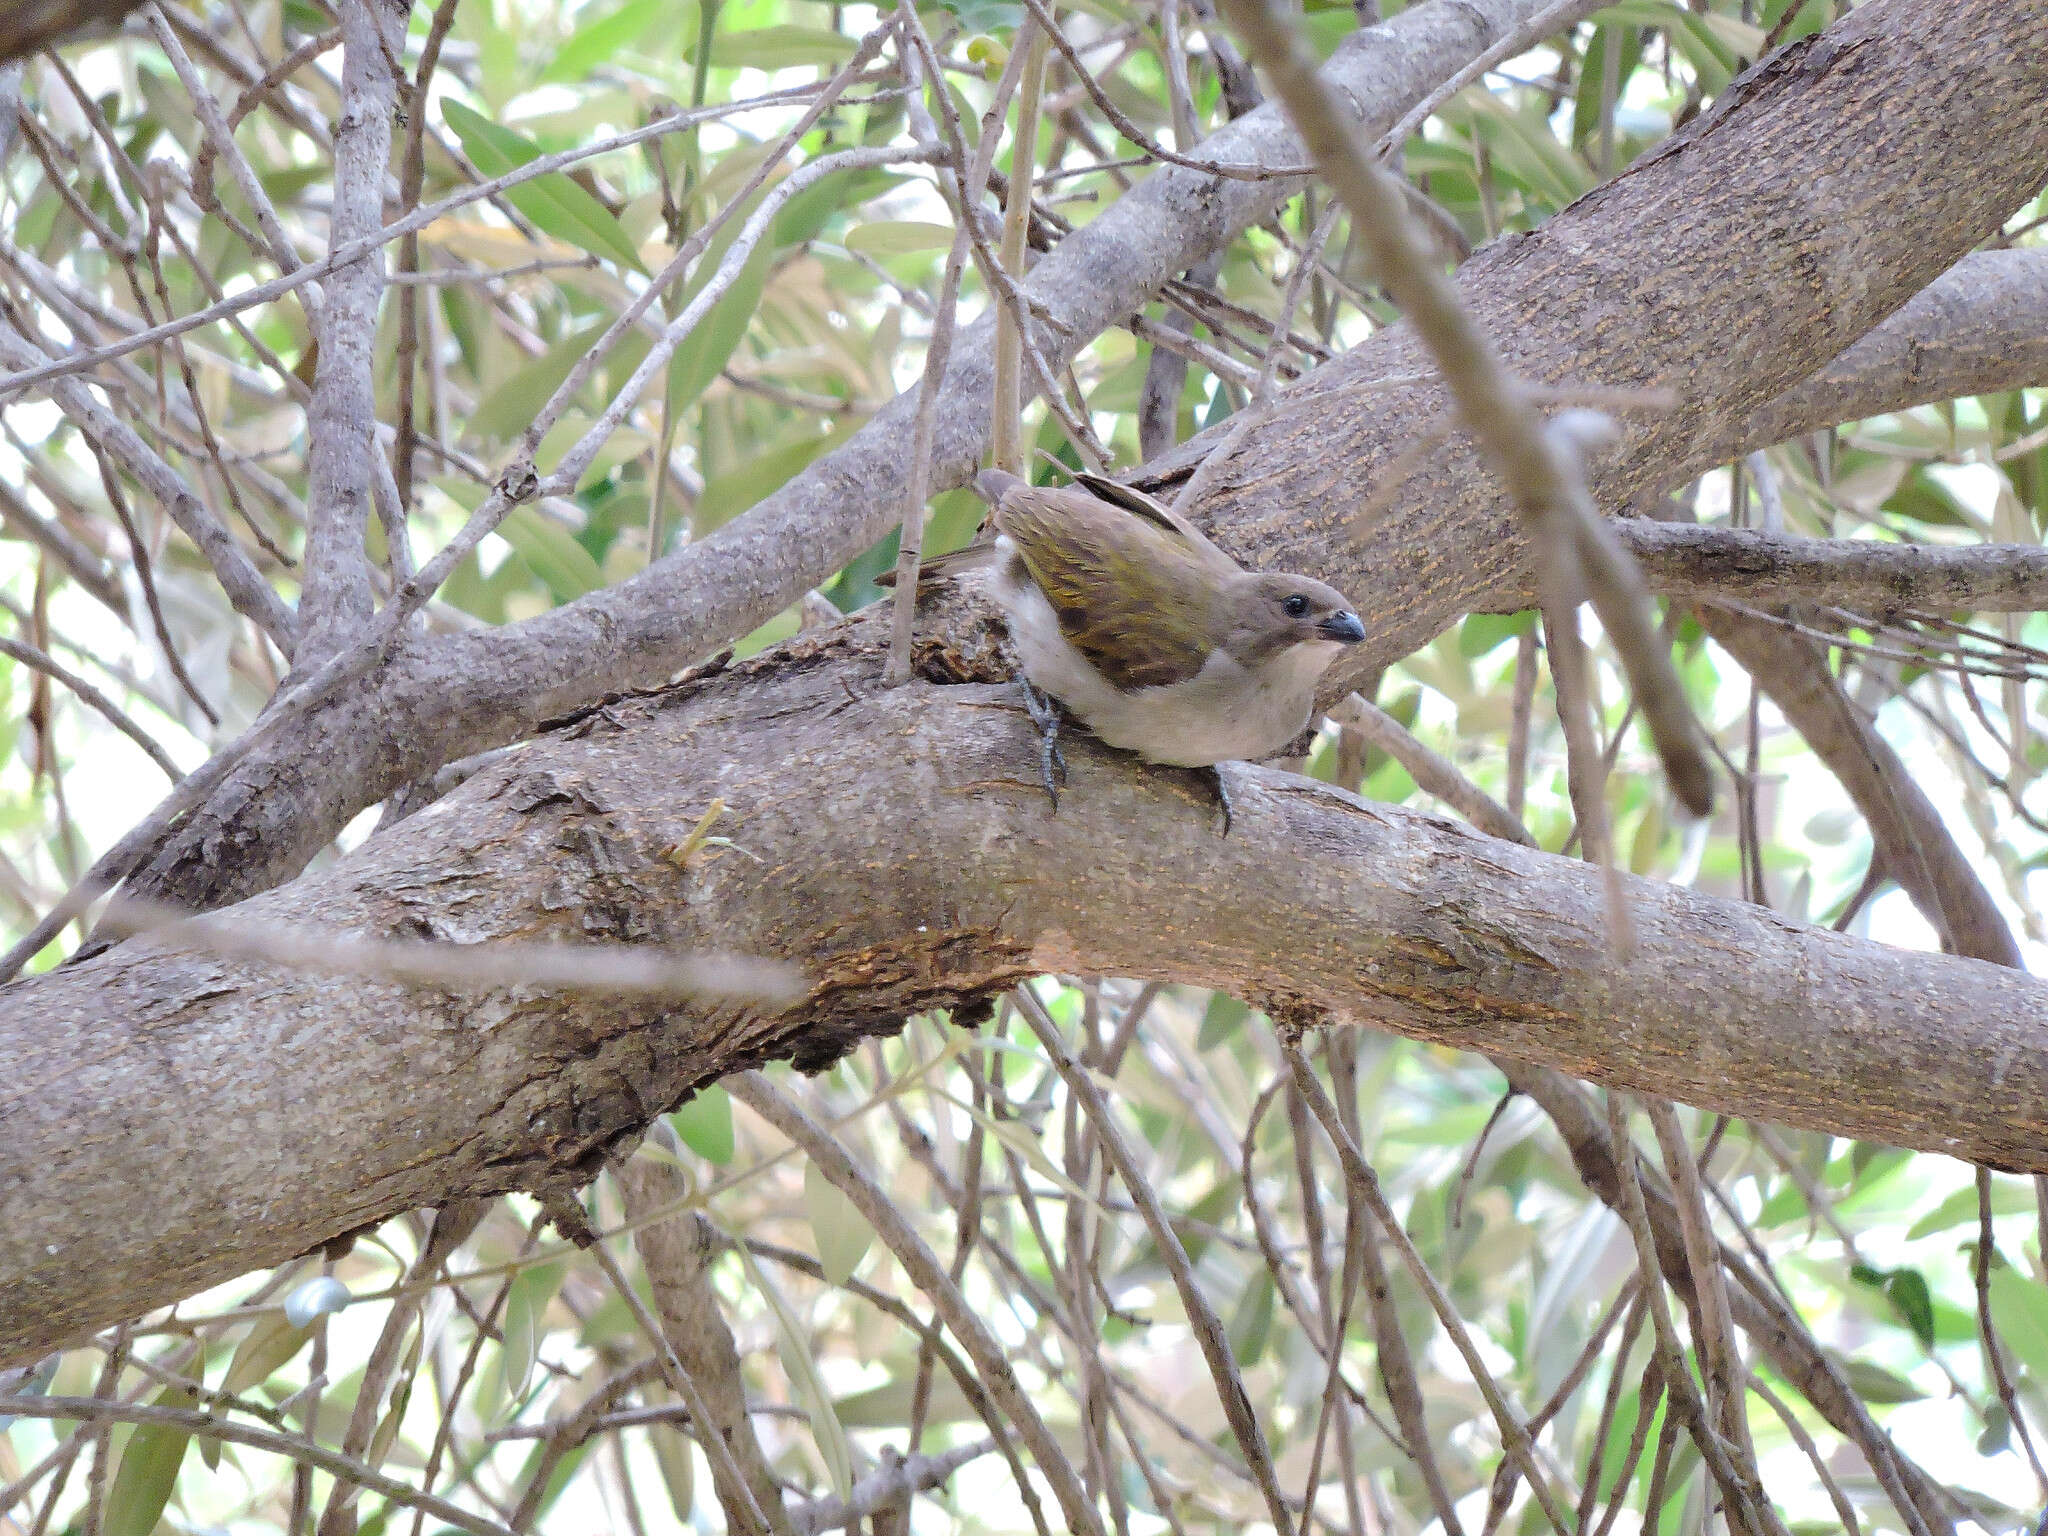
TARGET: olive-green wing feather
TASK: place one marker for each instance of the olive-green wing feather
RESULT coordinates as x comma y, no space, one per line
1157,511
1140,602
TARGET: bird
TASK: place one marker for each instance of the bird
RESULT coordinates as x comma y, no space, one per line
1147,633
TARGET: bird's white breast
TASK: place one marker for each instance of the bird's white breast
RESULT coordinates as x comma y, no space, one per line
1225,711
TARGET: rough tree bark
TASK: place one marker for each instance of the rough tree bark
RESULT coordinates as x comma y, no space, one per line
1797,167
896,841
26,25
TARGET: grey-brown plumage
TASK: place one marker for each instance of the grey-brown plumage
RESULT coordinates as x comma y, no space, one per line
1148,633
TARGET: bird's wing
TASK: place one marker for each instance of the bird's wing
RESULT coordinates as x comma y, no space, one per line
1137,600
1131,499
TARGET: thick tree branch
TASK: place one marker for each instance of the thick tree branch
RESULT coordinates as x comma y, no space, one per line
434,703
1798,167
26,25
277,1107
341,423
1684,560
1787,170
1981,326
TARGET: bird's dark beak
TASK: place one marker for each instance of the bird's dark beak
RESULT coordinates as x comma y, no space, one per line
1343,627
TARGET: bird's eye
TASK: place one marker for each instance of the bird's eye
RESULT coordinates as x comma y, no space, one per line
1296,605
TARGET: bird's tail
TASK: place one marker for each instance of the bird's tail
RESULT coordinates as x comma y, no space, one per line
991,485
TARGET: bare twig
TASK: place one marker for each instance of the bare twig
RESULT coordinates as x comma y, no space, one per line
213,1426
1432,772
1027,67
1202,1317
625,970
30,656
833,1161
1364,1183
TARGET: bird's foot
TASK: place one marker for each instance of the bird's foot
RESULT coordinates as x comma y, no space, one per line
1052,764
1215,773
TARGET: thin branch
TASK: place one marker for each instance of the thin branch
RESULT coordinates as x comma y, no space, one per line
1202,1318
1686,560
836,1164
212,1426
115,716
1364,1183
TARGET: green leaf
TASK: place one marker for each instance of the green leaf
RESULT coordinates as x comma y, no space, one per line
710,346
1874,1384
781,47
1221,1020
767,472
986,15
705,1124
1586,109
2007,1199
1251,1320
799,1360
267,1348
1907,1290
562,564
1481,632
841,1232
510,408
671,1449
805,215
148,1472
899,237
557,205
526,1305
601,40
2019,1307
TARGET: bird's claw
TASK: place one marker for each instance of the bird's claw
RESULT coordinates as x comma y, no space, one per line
1215,771
1052,763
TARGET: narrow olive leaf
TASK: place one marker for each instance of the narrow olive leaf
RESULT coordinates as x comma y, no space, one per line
898,237
509,409
386,1434
1874,1384
563,565
805,215
148,1472
557,205
525,1303
267,1348
705,1124
842,1234
672,1455
2007,1199
1710,50
603,39
762,475
565,1469
1221,1021
804,1380
717,336
1526,149
781,47
1251,1321
2019,1307
1907,1290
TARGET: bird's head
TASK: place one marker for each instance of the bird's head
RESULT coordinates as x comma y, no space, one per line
1273,614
